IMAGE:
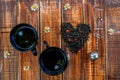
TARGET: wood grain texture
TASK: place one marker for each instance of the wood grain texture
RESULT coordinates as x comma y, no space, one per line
50,16
113,20
74,16
51,13
26,15
10,67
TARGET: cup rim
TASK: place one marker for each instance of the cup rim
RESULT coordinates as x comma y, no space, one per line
14,31
50,72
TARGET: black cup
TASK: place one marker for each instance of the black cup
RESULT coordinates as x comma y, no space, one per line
53,60
23,37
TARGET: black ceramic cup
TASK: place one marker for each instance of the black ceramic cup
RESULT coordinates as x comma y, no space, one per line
53,60
23,37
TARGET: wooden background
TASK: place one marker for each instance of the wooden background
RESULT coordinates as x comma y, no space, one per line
51,13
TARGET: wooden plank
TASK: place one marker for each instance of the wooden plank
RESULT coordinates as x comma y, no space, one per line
27,15
99,65
112,57
75,68
10,68
50,16
89,15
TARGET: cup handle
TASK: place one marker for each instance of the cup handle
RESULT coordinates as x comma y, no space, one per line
46,44
34,51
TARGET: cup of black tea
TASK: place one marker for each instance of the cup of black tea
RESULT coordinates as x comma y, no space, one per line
53,60
24,37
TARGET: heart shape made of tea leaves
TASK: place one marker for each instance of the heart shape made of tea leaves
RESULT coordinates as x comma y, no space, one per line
75,37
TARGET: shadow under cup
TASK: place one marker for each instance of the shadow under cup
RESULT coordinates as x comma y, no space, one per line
53,61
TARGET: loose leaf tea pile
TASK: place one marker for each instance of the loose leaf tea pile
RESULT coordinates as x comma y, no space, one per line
75,37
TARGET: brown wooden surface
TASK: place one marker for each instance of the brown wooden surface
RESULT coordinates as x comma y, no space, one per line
51,13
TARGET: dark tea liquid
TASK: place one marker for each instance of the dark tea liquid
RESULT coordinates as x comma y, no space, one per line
25,37
53,60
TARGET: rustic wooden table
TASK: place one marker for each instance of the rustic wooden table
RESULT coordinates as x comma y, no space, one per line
51,13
